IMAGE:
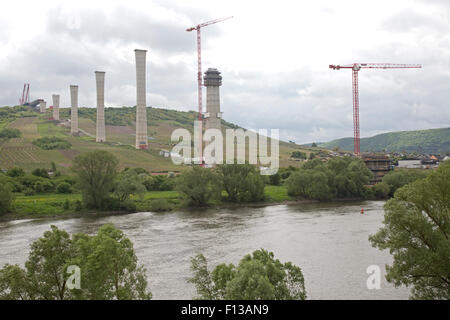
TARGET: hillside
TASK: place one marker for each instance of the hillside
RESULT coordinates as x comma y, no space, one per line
120,135
432,141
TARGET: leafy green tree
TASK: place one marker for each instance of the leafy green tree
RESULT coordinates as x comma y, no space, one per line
126,184
257,276
342,177
63,187
298,155
40,172
15,172
198,186
107,262
275,179
417,233
398,178
6,198
381,190
242,182
109,266
96,172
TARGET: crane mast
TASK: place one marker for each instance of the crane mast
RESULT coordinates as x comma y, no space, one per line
199,79
356,67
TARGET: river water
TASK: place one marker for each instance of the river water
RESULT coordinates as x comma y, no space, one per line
328,241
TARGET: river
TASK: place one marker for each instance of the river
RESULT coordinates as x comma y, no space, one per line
329,241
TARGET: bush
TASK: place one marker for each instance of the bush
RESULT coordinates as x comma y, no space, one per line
275,179
40,172
63,187
160,205
9,133
298,155
43,186
50,143
29,192
15,172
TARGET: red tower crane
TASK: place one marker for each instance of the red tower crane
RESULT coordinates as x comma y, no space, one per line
355,69
199,77
25,94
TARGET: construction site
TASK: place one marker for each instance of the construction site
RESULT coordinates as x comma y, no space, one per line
212,118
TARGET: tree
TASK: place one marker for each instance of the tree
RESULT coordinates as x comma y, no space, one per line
109,265
107,262
342,177
6,198
417,233
126,184
198,186
381,190
40,172
298,155
96,171
257,276
275,179
398,178
242,182
15,172
314,145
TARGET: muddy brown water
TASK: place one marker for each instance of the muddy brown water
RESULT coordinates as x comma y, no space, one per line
328,241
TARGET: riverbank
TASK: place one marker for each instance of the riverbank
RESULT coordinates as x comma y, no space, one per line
69,205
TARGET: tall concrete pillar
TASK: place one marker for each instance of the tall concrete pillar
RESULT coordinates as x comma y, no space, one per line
141,104
212,80
42,106
100,80
55,98
74,109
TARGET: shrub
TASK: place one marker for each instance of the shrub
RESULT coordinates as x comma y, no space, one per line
63,187
29,192
40,172
9,133
15,172
50,143
160,205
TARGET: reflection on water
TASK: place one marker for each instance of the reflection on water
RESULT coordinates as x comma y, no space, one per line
328,241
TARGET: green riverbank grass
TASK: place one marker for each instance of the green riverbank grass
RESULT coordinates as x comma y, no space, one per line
55,205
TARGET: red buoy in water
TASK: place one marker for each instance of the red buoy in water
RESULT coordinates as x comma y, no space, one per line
362,210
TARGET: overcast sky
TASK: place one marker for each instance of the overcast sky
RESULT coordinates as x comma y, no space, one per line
273,55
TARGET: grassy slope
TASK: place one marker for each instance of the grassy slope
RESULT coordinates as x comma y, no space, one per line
423,141
120,135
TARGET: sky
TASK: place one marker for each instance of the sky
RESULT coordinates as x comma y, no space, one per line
273,56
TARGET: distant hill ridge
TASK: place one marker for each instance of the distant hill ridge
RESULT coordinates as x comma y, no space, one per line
431,141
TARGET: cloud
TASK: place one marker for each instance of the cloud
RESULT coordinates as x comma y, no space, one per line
274,70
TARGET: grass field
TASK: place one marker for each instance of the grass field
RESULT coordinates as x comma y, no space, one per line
49,205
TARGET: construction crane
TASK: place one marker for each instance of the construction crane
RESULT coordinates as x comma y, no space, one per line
199,78
355,69
25,94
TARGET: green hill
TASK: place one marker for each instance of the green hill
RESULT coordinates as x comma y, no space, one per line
432,141
120,136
